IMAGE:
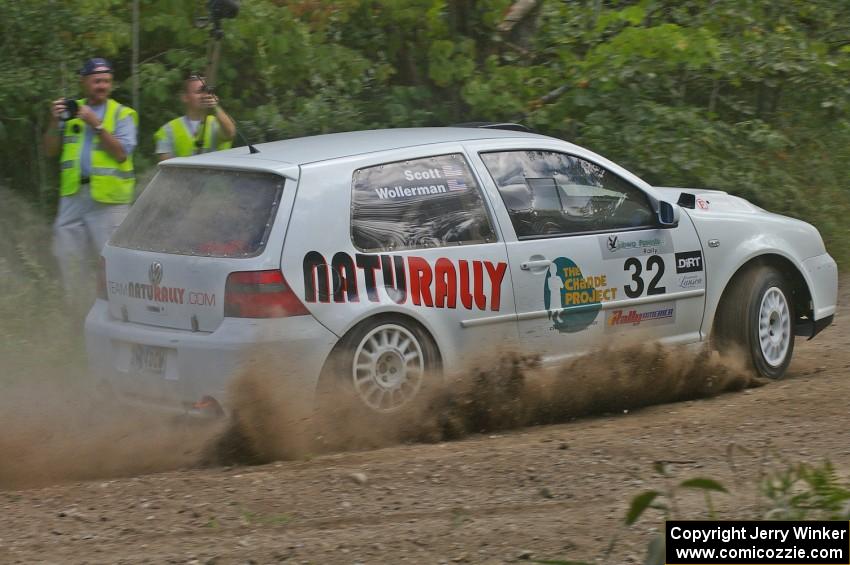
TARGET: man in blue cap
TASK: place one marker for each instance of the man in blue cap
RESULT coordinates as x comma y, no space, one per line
97,180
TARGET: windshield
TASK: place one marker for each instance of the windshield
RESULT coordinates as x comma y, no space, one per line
207,212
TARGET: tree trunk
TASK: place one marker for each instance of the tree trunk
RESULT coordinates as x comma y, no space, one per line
519,23
712,99
518,11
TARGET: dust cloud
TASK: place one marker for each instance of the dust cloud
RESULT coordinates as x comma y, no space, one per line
53,433
56,424
511,392
58,427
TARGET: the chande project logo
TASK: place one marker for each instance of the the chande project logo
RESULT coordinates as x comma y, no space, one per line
572,300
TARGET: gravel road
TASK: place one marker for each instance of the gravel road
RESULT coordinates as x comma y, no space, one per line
536,493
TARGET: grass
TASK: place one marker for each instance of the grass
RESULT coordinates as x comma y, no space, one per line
786,491
39,337
267,520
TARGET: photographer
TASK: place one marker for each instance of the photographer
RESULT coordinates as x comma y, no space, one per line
96,136
205,127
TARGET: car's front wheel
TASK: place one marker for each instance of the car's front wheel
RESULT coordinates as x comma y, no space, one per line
756,314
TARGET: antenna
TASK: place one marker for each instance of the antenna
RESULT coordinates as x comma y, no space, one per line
218,10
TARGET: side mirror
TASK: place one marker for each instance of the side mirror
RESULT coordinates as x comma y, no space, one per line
668,215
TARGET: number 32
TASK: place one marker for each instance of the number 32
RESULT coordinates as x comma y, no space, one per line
654,262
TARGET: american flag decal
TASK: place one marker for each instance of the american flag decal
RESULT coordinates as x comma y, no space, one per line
454,177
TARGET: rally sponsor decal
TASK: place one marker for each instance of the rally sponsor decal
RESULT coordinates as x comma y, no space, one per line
619,245
688,262
154,291
573,300
149,292
689,282
703,204
645,315
160,294
440,283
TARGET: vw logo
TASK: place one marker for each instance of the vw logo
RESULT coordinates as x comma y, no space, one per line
155,273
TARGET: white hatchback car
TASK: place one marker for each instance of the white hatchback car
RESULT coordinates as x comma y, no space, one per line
396,254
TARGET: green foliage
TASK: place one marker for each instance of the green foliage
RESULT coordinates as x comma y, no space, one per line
639,504
806,492
703,484
648,499
266,519
749,97
797,492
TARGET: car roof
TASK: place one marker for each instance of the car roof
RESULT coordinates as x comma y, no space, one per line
303,150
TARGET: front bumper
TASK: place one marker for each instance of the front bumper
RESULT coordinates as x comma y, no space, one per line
811,328
289,352
822,275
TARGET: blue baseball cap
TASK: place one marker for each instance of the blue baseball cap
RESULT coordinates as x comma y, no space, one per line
95,66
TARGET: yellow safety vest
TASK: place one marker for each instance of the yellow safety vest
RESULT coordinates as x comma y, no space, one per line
111,182
185,143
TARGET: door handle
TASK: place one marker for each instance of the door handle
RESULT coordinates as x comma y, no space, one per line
529,265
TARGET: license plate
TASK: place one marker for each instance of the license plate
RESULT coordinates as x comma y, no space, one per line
148,358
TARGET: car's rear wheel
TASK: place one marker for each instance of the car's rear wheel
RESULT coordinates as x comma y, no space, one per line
381,367
388,367
756,314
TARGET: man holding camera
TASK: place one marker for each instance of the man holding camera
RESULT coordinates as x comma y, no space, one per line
96,136
204,128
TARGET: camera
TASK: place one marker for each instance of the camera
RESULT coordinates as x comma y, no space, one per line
223,9
71,109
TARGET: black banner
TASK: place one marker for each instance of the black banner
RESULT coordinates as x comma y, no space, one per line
688,262
757,542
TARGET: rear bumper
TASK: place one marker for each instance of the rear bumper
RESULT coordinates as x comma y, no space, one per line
198,364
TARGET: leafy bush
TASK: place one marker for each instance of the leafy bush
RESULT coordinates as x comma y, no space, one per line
791,491
749,97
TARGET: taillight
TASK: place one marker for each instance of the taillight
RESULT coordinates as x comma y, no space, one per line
101,279
260,294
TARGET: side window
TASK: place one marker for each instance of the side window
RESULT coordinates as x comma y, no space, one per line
430,202
548,193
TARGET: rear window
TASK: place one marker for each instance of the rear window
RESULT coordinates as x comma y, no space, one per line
207,212
430,202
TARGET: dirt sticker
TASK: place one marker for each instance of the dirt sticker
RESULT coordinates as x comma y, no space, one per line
689,262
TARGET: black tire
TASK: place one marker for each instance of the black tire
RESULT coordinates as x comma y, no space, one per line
384,390
746,320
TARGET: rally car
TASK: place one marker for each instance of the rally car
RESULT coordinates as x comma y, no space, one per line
374,261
